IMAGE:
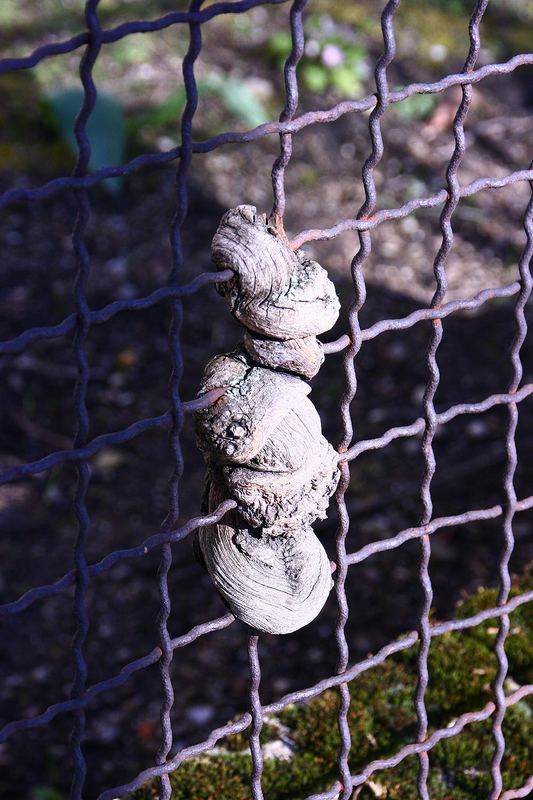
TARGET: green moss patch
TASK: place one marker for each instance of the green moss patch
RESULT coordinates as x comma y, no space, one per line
382,719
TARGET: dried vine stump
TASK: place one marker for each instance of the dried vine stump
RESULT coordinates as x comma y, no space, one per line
262,440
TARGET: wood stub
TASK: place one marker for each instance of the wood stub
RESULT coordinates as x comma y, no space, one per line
262,439
303,356
276,584
275,292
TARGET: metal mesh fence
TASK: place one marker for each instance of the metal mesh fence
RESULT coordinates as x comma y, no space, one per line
79,323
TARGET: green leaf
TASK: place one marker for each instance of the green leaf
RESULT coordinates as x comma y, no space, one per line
168,112
345,81
237,98
315,77
235,95
418,106
45,793
105,129
280,44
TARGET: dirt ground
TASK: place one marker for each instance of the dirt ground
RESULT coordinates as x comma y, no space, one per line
127,499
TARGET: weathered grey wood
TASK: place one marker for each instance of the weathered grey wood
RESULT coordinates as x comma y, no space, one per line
262,439
284,500
303,356
276,584
256,399
275,291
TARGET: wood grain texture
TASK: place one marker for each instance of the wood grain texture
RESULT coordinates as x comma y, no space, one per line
303,356
276,292
262,440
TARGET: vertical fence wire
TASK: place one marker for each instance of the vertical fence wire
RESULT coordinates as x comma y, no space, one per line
278,210
365,245
80,392
430,418
524,267
195,45
257,717
291,92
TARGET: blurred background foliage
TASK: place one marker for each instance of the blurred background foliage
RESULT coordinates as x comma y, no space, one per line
142,73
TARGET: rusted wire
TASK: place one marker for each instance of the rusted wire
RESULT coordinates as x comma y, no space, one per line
521,791
354,345
511,502
430,415
349,344
257,718
267,129
389,214
291,91
83,322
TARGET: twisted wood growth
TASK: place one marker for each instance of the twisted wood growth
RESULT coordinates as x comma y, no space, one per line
262,440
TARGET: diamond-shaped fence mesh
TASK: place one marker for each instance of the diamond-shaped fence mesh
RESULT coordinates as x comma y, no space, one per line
79,324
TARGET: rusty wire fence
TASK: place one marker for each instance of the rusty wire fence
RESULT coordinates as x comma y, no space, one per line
79,324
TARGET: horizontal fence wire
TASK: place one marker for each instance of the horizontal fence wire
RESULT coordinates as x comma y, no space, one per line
426,426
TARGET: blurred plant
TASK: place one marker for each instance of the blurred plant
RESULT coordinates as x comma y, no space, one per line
333,59
236,96
108,130
46,793
419,106
105,128
452,6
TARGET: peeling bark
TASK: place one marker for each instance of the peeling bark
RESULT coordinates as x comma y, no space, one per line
262,439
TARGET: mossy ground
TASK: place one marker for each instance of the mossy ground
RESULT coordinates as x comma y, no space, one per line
382,719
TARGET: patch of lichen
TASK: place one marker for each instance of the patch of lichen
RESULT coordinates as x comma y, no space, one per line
461,671
382,719
226,777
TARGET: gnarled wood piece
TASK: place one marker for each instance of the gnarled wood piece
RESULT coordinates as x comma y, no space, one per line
303,356
256,399
284,500
276,584
262,439
275,291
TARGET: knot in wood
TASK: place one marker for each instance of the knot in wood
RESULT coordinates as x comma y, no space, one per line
262,440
